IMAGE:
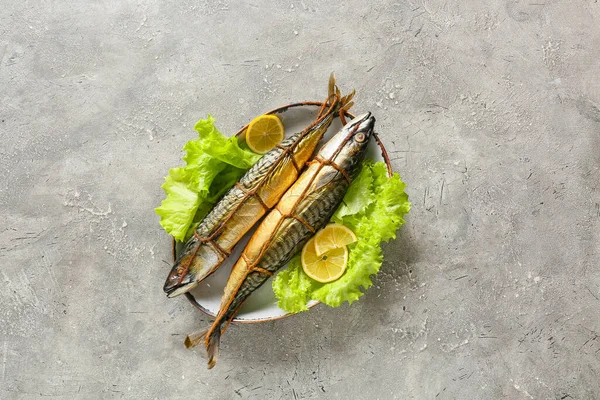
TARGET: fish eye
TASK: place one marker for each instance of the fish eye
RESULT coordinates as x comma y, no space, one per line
360,137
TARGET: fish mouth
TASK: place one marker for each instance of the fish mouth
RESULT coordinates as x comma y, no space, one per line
174,286
364,123
367,125
360,119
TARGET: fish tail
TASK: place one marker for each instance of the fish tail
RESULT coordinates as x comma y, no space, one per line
333,91
211,337
212,346
194,339
332,104
344,103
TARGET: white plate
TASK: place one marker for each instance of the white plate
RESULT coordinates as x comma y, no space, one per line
262,306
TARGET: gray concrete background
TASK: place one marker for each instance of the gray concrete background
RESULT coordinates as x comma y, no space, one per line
490,111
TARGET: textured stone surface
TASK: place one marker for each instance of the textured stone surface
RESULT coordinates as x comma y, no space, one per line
491,114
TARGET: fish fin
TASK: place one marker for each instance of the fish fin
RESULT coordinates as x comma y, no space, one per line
195,338
212,346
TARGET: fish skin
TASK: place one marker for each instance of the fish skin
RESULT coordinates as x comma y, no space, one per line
305,208
245,204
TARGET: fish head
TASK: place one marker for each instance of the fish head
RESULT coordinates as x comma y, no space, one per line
188,269
195,262
180,280
348,147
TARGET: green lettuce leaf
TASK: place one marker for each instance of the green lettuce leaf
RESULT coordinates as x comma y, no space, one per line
292,286
373,208
223,148
359,196
213,164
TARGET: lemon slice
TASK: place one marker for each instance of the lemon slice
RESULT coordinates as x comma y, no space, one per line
333,236
264,133
325,268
